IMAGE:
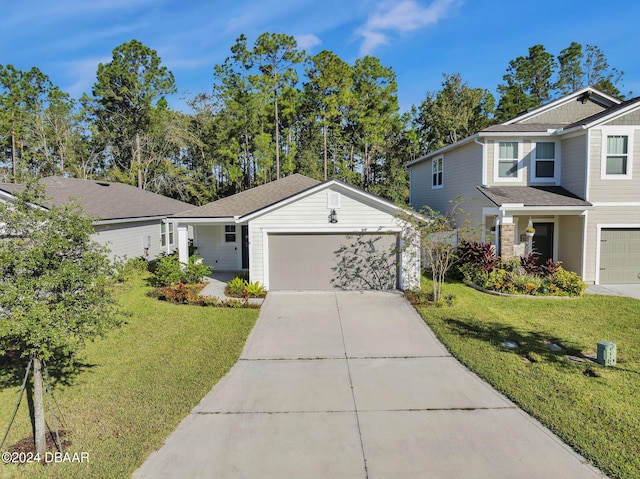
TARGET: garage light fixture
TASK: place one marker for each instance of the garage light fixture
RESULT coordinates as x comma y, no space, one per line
333,218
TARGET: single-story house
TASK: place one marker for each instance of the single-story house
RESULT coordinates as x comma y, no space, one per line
128,220
298,233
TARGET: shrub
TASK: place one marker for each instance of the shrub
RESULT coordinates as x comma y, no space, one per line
255,290
195,270
480,254
125,270
529,262
550,268
568,282
168,270
236,287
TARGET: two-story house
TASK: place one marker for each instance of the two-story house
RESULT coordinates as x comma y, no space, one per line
570,168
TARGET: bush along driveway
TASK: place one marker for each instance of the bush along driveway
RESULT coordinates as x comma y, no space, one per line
592,408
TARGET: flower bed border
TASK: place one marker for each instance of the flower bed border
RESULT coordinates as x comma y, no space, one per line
508,295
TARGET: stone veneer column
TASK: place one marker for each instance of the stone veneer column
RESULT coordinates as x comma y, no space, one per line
507,234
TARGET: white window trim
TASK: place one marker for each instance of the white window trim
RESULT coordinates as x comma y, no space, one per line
556,166
496,160
607,131
225,233
440,160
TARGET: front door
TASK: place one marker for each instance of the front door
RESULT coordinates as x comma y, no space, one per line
543,241
244,231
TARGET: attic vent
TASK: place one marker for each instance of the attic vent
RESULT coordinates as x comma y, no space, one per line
102,183
333,200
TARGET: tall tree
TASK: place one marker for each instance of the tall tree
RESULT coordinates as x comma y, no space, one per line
452,113
373,111
23,96
126,90
275,56
580,67
529,83
329,91
54,287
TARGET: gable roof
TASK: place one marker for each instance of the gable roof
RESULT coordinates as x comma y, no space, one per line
555,196
105,200
605,115
254,199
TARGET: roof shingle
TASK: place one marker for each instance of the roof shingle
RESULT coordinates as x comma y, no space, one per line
533,196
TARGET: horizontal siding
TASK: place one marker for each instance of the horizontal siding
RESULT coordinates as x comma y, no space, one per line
569,234
573,165
602,190
217,253
355,214
462,173
127,240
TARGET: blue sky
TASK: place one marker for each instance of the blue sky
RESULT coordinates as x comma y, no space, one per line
419,39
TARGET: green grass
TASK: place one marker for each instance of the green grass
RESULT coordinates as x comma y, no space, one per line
134,387
594,409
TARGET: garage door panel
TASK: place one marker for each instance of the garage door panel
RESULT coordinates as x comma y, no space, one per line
620,255
328,261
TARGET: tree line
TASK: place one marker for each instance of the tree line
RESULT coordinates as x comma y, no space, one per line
273,110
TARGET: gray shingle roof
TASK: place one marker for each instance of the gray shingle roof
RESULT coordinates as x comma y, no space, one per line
523,127
252,200
533,196
104,200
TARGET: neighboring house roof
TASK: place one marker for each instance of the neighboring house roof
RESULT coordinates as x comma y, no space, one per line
105,200
524,128
533,196
255,199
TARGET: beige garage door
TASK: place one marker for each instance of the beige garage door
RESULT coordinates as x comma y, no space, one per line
328,261
620,256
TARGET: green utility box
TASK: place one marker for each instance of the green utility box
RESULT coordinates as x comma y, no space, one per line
606,354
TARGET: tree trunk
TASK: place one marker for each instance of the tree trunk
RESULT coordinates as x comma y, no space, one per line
139,159
13,153
38,408
275,99
324,141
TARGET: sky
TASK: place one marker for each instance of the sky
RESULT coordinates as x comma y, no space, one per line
420,39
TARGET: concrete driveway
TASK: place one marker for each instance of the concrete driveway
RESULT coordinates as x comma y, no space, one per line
355,385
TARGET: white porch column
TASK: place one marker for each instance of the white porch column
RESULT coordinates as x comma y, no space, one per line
183,243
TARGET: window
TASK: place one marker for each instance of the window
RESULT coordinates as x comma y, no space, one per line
229,233
164,228
617,154
436,170
508,158
544,161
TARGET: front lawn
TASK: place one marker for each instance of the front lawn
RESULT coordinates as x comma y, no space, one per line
594,409
134,387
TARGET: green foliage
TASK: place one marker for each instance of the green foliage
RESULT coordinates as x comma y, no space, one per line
255,290
130,268
168,270
55,283
236,286
521,276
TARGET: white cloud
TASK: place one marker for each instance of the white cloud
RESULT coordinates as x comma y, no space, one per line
305,42
400,17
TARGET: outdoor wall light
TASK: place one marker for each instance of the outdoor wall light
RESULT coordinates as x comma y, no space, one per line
333,218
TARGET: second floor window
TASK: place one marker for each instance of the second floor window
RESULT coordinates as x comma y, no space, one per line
508,159
545,160
617,155
436,170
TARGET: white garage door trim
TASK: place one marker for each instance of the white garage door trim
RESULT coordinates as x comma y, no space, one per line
601,227
364,229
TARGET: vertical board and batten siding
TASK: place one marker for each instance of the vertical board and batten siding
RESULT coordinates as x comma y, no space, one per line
566,113
215,251
608,190
127,239
573,167
310,214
